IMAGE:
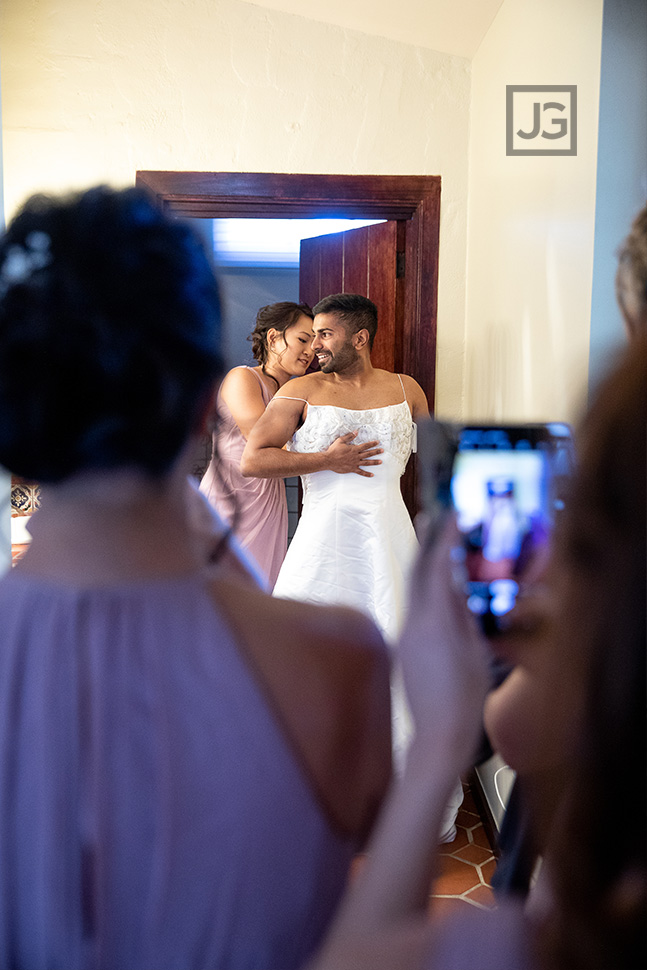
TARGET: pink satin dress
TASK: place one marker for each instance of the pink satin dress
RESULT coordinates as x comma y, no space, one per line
256,506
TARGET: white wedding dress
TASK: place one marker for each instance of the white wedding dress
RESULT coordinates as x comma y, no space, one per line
355,542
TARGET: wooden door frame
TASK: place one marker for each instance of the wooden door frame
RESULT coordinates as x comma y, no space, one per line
411,199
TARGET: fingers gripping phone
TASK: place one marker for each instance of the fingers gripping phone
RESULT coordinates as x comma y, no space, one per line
507,485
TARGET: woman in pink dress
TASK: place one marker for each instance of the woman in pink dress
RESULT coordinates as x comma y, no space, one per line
256,508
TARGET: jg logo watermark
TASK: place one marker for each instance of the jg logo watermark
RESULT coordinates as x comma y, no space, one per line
541,120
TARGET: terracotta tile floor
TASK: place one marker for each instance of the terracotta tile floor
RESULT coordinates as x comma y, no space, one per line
18,550
466,864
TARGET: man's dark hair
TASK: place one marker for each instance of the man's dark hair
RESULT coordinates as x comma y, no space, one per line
355,311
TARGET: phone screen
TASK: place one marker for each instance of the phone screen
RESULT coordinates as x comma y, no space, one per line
504,489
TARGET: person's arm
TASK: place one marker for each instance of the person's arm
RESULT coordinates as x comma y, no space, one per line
265,457
444,663
416,398
241,392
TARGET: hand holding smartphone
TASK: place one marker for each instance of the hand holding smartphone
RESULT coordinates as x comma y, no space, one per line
507,485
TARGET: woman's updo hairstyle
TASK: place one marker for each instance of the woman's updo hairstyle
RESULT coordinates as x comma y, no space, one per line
109,335
275,316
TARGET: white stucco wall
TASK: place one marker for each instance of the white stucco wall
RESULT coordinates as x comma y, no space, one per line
93,92
531,220
453,26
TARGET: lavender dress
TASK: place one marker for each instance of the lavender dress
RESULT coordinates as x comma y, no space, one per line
262,511
153,814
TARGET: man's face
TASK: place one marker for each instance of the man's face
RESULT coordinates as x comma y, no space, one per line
333,344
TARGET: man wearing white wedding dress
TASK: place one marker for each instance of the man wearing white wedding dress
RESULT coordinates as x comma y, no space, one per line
349,430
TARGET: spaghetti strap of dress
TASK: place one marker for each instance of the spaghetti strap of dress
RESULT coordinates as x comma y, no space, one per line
286,397
265,391
256,375
414,428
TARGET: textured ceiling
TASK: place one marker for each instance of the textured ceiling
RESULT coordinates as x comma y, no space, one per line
451,26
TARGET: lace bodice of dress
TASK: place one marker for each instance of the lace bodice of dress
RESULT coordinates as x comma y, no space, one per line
392,426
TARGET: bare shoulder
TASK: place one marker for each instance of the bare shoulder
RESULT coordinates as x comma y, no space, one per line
328,634
300,387
241,376
391,380
326,670
410,383
416,396
241,381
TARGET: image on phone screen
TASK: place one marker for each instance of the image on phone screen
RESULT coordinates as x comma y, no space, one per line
501,490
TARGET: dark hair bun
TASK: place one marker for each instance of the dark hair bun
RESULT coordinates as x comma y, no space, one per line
275,316
109,335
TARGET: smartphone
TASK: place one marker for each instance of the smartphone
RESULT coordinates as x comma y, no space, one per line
507,484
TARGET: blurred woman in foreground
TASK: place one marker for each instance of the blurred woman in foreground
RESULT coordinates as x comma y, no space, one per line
571,717
187,766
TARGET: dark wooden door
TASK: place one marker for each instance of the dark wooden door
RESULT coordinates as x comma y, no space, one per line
369,261
413,201
364,261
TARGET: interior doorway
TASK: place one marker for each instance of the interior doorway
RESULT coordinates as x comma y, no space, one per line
411,202
258,263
